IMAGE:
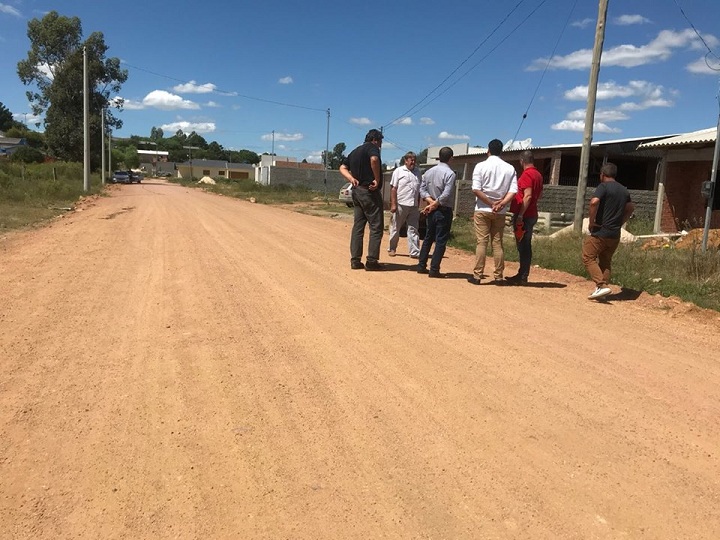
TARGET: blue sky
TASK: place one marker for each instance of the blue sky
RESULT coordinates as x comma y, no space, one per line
429,73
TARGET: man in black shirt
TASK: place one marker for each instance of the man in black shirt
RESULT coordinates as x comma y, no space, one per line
362,168
610,208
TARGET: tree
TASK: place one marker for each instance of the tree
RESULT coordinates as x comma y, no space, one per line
422,157
245,156
27,154
6,118
156,133
336,157
54,65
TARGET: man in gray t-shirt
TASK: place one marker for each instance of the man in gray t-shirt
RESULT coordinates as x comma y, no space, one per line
610,208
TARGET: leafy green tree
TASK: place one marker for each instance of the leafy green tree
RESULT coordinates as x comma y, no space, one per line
244,156
156,134
27,154
54,65
32,138
6,118
336,157
422,157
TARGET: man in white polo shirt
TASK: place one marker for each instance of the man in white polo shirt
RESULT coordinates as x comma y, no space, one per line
404,205
494,183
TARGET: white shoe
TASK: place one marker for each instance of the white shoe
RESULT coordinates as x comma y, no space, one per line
391,252
599,292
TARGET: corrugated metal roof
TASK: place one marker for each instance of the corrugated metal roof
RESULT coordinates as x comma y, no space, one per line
695,137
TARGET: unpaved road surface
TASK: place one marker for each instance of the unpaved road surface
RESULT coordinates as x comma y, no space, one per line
175,364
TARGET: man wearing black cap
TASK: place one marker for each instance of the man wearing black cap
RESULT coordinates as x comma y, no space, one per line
362,168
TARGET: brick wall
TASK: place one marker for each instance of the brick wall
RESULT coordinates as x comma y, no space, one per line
684,207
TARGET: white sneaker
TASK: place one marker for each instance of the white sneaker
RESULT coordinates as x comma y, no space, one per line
391,252
599,292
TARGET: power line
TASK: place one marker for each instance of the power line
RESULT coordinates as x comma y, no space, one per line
229,92
710,51
557,43
503,40
497,27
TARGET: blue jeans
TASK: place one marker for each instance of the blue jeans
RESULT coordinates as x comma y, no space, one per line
438,232
524,247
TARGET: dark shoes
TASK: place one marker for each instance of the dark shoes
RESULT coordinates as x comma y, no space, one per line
373,266
516,280
500,282
436,275
422,270
356,265
473,281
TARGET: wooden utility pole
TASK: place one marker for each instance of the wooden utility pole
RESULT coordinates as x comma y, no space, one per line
590,116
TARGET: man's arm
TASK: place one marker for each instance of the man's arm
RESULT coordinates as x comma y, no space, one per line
508,196
348,175
527,197
375,166
592,213
629,209
448,189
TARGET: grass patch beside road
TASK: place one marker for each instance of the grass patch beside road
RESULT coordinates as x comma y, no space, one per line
247,188
32,193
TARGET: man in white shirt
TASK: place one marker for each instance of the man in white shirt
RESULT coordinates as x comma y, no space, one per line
404,205
494,183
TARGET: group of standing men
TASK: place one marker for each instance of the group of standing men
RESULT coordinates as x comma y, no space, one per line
496,186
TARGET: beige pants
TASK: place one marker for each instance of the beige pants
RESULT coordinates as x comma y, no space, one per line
489,227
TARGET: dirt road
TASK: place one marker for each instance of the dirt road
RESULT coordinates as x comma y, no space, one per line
175,364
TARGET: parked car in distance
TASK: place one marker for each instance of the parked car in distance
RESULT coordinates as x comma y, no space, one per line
120,177
346,195
136,176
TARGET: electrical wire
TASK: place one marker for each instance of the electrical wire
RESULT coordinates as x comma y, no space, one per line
229,92
503,40
710,51
412,110
557,43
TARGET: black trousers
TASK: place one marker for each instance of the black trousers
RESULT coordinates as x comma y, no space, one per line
368,207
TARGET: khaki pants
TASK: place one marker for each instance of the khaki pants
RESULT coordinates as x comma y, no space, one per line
489,226
597,257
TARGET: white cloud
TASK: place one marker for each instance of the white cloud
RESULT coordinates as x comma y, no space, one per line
129,104
645,104
583,24
407,121
315,157
212,104
446,135
27,119
579,125
4,8
626,20
283,137
160,99
364,121
427,121
610,90
188,127
601,115
286,80
193,88
701,66
657,50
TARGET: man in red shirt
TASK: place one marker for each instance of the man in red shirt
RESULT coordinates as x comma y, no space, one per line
524,208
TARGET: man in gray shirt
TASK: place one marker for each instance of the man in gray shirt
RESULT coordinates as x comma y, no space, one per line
437,188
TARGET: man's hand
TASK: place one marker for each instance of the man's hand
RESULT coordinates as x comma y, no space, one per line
373,185
354,182
393,208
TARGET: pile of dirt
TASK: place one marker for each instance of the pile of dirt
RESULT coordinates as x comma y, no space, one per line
693,239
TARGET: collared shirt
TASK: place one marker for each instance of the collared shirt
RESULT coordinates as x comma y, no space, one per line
495,178
438,182
407,183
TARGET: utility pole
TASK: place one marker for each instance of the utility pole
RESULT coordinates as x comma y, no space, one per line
102,146
713,183
86,122
590,116
327,152
191,148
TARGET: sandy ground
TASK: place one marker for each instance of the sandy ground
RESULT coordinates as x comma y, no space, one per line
175,364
